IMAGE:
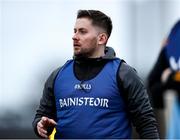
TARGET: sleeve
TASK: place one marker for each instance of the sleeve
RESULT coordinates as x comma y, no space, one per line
47,105
154,84
137,101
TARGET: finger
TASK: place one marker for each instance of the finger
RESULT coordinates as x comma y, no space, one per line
42,130
44,120
52,122
39,124
43,135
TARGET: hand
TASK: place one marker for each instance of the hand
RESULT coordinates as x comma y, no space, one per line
43,124
165,75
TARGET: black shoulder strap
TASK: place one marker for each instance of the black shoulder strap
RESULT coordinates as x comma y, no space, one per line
120,82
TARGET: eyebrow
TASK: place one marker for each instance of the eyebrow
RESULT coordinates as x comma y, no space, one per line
80,29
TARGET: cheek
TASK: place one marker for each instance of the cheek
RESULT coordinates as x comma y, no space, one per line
90,41
89,44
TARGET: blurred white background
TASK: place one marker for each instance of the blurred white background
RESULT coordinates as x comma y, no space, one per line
35,38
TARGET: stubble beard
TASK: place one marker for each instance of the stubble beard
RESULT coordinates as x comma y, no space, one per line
85,53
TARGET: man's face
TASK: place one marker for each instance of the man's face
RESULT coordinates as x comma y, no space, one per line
85,38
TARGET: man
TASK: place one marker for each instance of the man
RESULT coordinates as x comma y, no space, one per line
95,95
165,75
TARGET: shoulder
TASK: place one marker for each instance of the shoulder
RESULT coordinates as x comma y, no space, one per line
57,70
125,69
52,77
128,75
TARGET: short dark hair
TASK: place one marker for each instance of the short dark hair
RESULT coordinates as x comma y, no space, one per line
98,19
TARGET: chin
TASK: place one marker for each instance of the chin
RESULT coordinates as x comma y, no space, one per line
78,55
77,52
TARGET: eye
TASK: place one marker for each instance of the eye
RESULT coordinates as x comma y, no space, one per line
82,31
75,30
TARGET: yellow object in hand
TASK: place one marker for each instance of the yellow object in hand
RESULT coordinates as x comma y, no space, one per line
51,137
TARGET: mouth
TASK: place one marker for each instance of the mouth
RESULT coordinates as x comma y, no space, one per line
76,45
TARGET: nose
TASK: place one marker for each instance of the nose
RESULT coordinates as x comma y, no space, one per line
75,37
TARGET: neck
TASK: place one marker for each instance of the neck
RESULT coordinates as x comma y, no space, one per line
98,55
100,52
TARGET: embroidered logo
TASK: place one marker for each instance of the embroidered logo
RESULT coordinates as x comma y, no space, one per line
83,86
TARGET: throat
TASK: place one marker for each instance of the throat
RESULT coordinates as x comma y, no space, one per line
88,68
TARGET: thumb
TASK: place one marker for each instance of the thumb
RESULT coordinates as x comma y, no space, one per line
44,120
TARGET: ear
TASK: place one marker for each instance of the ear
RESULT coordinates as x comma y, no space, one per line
102,38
